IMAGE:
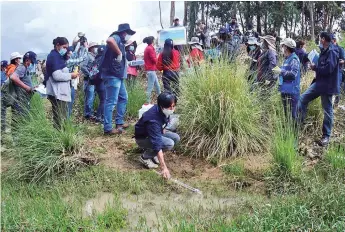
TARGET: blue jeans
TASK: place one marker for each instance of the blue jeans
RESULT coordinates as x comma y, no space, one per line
152,81
115,94
326,100
70,104
290,102
89,92
100,89
169,139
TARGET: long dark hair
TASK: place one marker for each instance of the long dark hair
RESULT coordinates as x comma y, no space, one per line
167,54
148,40
60,41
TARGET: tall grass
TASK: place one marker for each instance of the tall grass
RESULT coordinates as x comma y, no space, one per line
136,98
42,151
335,156
219,115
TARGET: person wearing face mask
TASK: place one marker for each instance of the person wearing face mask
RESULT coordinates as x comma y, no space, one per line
132,71
15,62
254,54
89,89
196,55
58,81
341,65
150,59
113,72
266,62
23,88
325,85
289,78
301,52
151,136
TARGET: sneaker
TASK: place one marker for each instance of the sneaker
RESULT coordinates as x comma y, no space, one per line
155,160
123,126
148,163
114,132
324,141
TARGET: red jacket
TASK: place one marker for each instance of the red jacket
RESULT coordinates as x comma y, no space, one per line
175,62
195,57
150,58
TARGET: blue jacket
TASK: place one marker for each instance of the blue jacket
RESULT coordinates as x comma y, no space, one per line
290,77
341,56
303,58
110,66
327,72
151,126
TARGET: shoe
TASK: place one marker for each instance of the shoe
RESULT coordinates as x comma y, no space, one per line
148,163
99,120
123,126
155,160
324,141
114,132
91,118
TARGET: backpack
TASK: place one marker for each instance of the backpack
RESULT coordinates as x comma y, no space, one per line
8,93
94,69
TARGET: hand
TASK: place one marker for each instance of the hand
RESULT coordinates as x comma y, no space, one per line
165,173
276,70
119,58
267,82
74,75
341,61
29,89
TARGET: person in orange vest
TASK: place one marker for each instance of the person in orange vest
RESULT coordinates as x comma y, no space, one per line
196,55
15,62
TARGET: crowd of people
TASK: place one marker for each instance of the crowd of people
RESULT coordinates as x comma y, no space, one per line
105,68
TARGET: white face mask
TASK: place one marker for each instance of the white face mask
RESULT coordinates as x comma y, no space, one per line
127,37
167,112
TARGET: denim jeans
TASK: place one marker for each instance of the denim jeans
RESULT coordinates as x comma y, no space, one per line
152,81
70,104
290,102
326,100
100,89
115,94
89,92
169,139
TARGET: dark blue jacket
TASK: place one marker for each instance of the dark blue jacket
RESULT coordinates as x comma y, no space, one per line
290,77
151,126
303,58
327,71
110,66
341,56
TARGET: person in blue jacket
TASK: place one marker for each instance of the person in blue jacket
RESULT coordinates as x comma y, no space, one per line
289,78
325,85
341,65
150,133
113,72
4,64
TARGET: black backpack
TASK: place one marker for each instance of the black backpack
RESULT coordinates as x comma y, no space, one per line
94,69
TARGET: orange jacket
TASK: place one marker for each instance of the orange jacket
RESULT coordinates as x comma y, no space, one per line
173,66
195,57
10,70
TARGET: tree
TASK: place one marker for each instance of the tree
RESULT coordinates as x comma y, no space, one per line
160,14
185,15
172,12
312,22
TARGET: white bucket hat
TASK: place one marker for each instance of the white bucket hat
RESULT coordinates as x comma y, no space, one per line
289,43
196,43
16,55
93,44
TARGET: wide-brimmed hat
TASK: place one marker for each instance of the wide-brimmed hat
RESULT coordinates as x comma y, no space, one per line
130,42
289,43
195,40
93,44
271,40
253,40
15,55
125,27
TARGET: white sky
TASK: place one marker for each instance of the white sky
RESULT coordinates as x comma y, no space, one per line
37,23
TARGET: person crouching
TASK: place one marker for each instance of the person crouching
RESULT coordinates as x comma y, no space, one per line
151,136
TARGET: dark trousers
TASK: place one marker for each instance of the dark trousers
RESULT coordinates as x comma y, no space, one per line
171,82
100,89
59,110
290,103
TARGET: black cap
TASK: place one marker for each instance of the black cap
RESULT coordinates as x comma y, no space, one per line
4,63
30,55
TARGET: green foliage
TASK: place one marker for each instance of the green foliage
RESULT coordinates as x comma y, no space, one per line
40,150
219,116
136,98
236,168
335,156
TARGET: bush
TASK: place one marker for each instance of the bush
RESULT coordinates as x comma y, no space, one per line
219,115
136,98
40,150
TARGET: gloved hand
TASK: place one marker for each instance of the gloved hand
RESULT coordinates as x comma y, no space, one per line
276,70
119,58
267,82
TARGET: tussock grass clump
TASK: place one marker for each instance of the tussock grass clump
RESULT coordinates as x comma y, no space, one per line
335,156
42,151
136,98
219,116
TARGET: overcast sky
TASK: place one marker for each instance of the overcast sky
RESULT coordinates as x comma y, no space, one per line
33,25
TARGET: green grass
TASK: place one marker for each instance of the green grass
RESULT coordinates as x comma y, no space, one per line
219,116
41,151
335,156
136,98
236,168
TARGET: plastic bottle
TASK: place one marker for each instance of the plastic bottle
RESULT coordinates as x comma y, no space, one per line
144,108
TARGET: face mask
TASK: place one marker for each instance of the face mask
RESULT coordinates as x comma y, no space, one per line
63,51
320,45
127,37
31,68
252,47
167,112
131,48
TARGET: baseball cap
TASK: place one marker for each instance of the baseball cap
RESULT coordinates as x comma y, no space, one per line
289,43
15,55
30,55
4,63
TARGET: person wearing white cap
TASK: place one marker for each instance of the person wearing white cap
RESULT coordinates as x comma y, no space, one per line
289,78
196,55
89,90
15,61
